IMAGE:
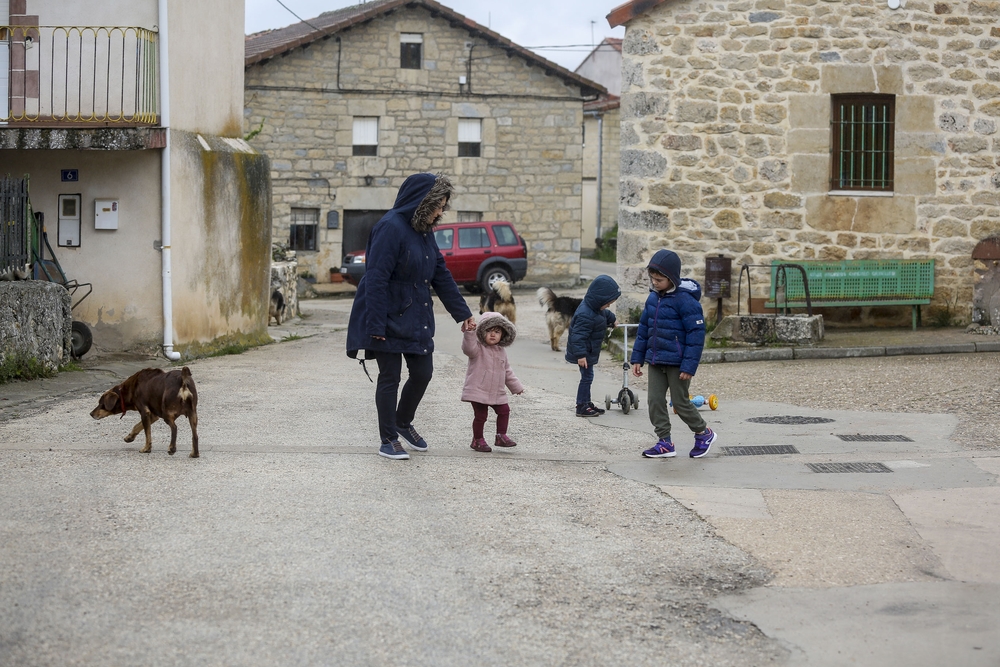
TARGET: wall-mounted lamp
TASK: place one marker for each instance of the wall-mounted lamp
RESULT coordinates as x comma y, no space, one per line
369,180
893,4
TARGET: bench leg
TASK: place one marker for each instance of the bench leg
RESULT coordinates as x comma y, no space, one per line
916,316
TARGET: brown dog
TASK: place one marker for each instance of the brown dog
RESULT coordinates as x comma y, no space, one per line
154,394
558,312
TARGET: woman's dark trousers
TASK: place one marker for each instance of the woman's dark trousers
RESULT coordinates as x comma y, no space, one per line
420,367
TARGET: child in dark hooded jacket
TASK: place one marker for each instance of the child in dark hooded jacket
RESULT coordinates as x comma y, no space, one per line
670,338
586,335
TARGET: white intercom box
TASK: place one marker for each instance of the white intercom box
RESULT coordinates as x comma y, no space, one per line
105,214
69,221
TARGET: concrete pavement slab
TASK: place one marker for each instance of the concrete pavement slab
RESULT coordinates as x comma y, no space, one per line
960,524
888,625
720,502
830,538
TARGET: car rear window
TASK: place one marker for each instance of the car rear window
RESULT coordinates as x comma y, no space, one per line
444,238
473,237
505,235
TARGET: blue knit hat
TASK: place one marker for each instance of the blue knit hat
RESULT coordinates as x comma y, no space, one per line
668,263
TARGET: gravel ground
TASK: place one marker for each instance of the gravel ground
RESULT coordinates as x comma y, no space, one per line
964,385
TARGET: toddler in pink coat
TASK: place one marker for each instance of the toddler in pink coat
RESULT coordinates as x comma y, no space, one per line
489,376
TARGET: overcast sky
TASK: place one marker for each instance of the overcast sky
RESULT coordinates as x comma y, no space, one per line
528,23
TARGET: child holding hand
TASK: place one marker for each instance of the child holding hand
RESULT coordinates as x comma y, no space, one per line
670,338
488,377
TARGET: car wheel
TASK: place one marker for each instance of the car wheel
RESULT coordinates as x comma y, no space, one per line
493,275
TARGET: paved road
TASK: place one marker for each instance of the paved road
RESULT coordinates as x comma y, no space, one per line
291,542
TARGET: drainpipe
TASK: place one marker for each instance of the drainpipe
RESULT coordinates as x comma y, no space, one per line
168,305
600,169
600,164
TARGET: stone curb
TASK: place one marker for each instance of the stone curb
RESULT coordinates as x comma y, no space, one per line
734,355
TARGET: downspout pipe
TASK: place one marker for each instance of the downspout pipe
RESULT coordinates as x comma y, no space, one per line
600,165
168,304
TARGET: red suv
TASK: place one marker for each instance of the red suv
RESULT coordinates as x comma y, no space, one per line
477,253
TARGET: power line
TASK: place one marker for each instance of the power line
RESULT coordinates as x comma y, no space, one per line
297,16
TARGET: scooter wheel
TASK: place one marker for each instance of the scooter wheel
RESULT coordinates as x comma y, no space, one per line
607,401
713,401
625,401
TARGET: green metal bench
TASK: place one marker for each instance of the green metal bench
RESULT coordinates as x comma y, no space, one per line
851,283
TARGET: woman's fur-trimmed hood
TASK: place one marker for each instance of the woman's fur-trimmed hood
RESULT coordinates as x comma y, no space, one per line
493,320
441,192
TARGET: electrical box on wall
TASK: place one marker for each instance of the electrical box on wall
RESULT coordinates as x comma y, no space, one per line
68,231
333,220
105,214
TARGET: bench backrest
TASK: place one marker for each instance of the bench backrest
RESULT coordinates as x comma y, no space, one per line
859,280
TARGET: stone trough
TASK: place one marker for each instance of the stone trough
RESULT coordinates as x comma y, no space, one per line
757,330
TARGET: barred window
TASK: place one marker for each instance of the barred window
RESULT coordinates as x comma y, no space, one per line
470,216
863,140
305,222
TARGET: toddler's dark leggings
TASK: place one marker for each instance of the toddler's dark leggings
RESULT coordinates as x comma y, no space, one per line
482,410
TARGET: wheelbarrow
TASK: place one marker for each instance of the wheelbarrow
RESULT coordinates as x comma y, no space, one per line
49,269
626,397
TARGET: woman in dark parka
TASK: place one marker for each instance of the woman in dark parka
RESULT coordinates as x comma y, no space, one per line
393,314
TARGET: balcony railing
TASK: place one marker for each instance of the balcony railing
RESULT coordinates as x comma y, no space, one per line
71,76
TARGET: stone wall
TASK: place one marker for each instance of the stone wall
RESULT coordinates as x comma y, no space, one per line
726,134
529,171
35,322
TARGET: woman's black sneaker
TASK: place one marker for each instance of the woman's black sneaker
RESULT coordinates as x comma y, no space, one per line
587,410
599,411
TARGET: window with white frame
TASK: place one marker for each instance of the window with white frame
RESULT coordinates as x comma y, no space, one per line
365,135
411,46
470,216
470,137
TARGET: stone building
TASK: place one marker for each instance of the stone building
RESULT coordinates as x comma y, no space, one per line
737,124
601,123
350,103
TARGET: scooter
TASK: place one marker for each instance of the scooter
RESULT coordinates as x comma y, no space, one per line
626,397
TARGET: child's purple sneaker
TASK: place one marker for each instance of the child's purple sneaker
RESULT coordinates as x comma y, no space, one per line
702,443
664,449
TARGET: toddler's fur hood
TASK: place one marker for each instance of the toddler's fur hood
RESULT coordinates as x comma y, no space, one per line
493,320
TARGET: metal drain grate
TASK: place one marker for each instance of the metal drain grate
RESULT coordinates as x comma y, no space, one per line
758,450
790,420
848,467
874,438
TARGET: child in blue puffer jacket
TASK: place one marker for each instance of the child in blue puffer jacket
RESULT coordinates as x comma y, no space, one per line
670,338
586,335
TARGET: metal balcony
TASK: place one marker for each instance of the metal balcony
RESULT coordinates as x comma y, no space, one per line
78,77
